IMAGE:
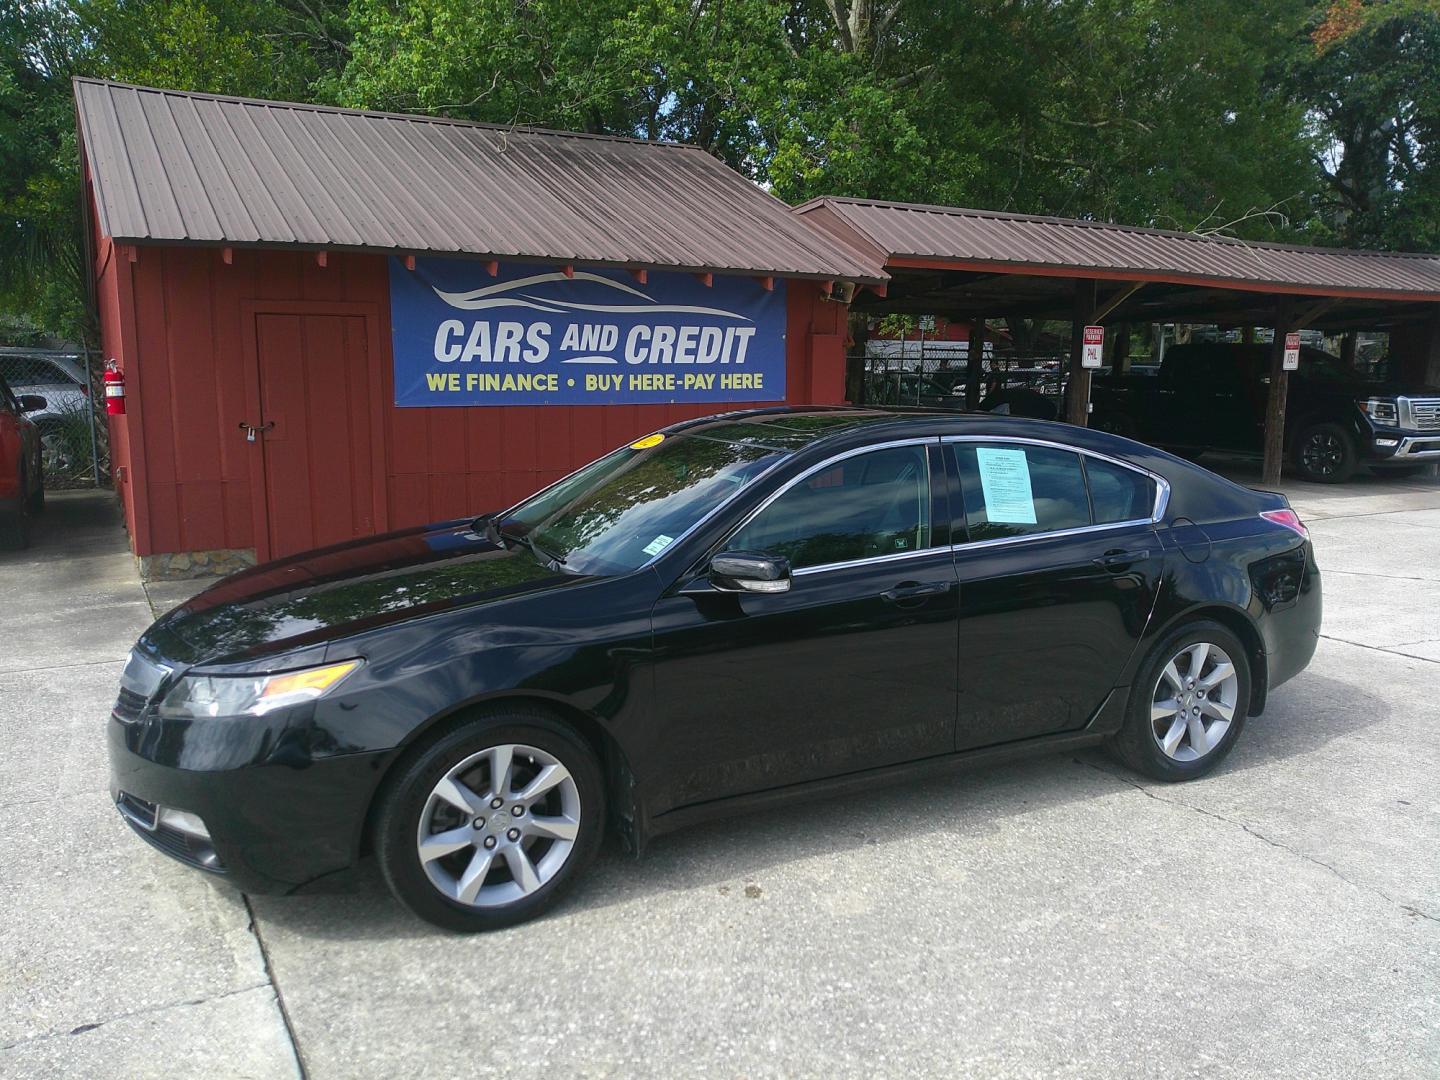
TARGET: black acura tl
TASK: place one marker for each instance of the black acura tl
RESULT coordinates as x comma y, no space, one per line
725,615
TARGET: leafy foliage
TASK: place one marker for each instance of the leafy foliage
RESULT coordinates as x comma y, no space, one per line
1259,118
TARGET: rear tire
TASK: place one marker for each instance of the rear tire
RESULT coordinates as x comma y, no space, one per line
1183,717
14,531
15,523
454,858
1325,454
36,503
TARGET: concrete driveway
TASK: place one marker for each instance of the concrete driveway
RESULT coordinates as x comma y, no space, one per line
1059,917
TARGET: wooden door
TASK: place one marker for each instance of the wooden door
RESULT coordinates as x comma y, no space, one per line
315,412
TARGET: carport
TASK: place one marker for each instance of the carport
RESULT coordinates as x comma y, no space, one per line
980,265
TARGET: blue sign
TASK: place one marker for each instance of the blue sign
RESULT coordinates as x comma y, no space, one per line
532,335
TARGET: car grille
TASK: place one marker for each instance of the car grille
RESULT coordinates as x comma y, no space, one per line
142,816
139,681
1426,413
129,705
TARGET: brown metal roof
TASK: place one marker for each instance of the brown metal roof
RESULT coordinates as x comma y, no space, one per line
904,233
177,167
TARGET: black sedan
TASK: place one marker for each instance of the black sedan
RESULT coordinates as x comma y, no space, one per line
729,614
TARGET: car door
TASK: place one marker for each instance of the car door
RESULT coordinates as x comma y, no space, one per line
852,668
1059,568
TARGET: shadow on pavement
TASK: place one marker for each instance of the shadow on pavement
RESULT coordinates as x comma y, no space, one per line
1306,714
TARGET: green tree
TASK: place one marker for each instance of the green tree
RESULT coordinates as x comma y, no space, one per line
1370,77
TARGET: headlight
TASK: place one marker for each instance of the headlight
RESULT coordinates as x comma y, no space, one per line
1382,411
251,695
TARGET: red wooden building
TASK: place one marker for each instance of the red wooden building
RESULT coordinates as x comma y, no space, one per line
242,256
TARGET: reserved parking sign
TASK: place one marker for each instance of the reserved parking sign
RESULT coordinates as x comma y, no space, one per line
1292,352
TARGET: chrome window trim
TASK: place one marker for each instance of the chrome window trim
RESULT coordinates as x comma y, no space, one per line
1162,486
1080,530
898,556
918,440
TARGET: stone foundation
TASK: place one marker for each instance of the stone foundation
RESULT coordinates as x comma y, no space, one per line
178,565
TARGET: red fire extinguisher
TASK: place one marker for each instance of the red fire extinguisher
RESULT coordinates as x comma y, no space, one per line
114,389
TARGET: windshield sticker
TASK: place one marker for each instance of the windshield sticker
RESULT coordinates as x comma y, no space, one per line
648,441
1005,482
659,544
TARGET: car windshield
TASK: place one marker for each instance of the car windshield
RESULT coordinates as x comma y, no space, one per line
618,513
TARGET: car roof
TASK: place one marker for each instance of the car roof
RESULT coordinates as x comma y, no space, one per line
823,428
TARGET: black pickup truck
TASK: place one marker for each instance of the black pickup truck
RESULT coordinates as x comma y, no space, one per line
1211,396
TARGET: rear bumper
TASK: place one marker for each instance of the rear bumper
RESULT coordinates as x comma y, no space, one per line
1291,632
272,826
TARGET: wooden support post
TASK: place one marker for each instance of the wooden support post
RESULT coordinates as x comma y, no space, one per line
1347,348
973,356
1077,409
855,388
1279,390
1119,348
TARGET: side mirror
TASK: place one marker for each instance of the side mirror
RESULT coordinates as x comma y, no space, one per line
32,403
748,571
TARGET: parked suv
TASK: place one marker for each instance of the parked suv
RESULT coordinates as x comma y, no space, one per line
1212,396
22,480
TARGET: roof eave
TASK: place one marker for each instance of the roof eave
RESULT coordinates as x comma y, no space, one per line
557,260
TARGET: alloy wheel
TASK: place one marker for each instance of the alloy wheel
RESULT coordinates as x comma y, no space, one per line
1323,453
1194,701
499,825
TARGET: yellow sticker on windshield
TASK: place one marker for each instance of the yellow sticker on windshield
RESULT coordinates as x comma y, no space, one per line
647,442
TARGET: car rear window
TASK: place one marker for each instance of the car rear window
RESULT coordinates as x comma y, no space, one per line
1117,493
1015,490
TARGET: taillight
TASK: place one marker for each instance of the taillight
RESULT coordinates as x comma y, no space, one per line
1288,518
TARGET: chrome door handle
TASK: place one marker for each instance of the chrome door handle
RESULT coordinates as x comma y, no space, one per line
908,591
1120,560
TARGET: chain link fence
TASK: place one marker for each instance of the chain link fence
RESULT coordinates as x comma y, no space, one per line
73,438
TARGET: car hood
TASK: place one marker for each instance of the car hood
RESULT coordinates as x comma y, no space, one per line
312,598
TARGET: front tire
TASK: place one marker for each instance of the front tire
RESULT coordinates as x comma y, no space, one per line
1188,704
1325,454
492,822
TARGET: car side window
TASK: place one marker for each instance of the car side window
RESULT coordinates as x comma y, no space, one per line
1012,489
876,503
1117,493
8,404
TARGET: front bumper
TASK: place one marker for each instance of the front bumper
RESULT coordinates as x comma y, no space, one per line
1403,447
274,823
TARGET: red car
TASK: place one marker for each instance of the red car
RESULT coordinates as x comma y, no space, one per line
22,482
